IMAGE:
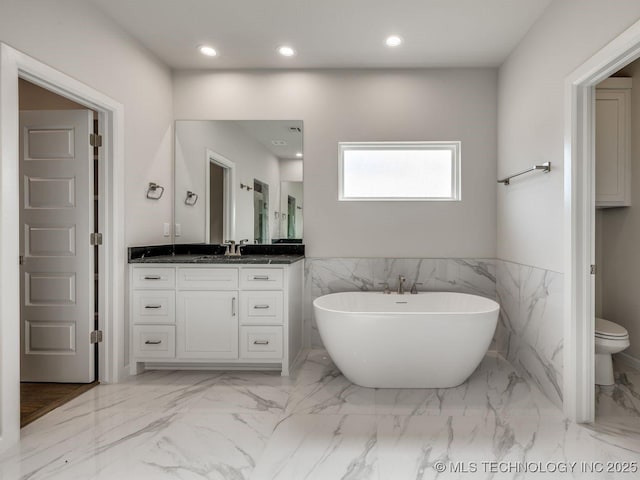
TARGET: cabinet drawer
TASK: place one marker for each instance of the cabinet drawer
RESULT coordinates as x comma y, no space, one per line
153,306
261,308
261,278
154,341
154,277
261,342
207,278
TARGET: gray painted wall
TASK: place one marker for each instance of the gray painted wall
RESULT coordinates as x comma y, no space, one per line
531,100
344,105
530,212
126,72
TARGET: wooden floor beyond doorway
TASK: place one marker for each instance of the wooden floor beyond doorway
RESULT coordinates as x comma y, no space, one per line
37,399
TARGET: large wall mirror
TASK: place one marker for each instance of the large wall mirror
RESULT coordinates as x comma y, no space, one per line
238,180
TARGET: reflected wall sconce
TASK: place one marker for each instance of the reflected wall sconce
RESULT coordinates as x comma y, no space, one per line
155,191
192,198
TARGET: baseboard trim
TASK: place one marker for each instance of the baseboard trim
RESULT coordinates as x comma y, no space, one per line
633,361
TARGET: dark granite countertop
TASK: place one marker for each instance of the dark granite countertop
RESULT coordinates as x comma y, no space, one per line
249,259
278,254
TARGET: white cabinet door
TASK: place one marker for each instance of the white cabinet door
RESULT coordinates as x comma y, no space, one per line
207,324
613,148
56,212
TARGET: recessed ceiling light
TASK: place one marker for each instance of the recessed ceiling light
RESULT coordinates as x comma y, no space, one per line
299,154
286,51
393,41
207,50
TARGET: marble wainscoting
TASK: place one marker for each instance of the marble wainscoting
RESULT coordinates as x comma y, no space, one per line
330,275
530,328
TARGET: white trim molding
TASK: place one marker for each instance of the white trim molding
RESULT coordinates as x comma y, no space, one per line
579,203
15,65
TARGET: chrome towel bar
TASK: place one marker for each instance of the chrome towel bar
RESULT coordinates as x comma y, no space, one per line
545,167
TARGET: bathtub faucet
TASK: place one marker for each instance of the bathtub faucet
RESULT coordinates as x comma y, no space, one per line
401,281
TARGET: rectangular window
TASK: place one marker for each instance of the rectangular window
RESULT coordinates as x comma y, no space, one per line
399,171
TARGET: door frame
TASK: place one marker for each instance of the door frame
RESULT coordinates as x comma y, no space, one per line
579,220
229,195
13,65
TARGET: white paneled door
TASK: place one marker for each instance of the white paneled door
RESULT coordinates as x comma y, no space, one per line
57,272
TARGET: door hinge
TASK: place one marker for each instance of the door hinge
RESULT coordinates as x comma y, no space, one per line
95,140
593,270
21,259
95,239
96,336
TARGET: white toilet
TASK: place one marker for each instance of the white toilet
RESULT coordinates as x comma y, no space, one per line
610,338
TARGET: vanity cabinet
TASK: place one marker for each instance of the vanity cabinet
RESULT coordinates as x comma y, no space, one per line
207,324
216,316
613,143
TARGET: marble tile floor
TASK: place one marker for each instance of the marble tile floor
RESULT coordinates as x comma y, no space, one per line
621,399
315,425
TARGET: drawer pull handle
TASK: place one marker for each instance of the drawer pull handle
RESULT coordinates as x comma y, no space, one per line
261,307
153,306
261,342
261,277
153,342
152,277
233,307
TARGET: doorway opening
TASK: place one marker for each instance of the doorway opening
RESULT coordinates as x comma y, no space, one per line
617,234
220,199
291,217
59,268
113,356
580,229
260,211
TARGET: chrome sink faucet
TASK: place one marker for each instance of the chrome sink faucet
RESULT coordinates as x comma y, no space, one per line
232,250
242,243
401,281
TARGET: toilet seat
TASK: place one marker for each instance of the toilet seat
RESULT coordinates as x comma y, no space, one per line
610,330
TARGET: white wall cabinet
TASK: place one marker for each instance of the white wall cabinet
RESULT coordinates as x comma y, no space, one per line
216,316
613,143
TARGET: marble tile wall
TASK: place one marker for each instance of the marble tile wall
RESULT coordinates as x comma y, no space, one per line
329,275
530,328
529,332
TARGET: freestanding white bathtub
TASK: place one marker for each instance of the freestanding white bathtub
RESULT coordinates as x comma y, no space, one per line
428,340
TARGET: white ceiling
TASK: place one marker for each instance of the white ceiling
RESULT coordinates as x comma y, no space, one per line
327,33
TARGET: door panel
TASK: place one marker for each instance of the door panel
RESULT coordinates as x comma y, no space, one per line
49,193
56,208
49,144
49,337
50,241
207,324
